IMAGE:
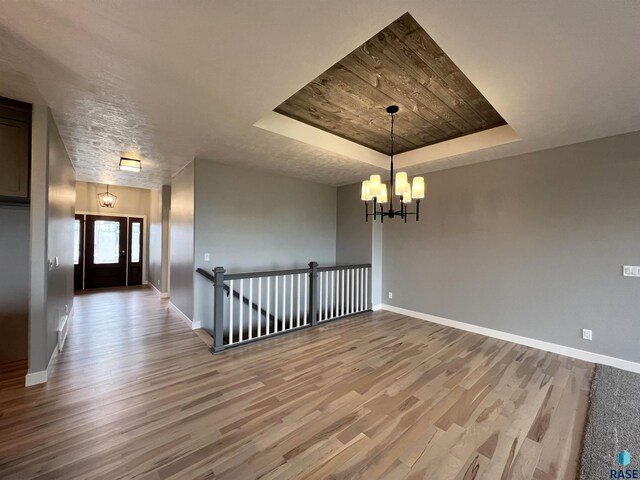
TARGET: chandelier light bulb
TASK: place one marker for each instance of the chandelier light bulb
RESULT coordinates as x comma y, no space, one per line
418,187
375,185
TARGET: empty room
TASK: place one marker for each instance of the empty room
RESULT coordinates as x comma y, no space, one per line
263,239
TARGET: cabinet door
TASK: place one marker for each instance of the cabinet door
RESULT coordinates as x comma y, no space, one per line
14,158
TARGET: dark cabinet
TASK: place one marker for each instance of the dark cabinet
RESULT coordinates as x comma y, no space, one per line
15,150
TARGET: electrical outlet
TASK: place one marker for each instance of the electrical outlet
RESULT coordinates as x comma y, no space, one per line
630,271
207,257
66,309
587,334
158,282
390,294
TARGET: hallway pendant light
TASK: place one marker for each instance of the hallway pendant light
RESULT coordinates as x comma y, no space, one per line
130,165
374,191
107,199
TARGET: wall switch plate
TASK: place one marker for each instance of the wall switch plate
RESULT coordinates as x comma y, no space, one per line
630,271
66,309
587,334
390,295
56,261
207,257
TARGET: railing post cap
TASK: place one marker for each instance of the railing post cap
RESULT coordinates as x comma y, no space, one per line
313,264
219,270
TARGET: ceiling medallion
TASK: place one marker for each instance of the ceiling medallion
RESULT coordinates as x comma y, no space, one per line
107,199
374,191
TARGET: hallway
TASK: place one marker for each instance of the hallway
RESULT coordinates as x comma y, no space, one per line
136,394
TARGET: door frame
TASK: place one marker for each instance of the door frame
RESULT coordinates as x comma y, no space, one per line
145,237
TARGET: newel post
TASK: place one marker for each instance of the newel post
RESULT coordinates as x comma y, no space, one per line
313,293
218,309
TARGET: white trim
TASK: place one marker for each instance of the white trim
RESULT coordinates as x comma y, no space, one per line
162,294
182,315
376,307
35,378
281,124
529,342
63,328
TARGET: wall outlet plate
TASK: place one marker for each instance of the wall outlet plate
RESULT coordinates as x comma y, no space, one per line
207,257
630,271
587,334
390,294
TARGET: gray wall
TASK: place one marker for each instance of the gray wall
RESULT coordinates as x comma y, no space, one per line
250,220
61,214
353,234
160,204
51,235
14,283
531,245
182,231
155,238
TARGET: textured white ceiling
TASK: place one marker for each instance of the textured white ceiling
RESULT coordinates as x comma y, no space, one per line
166,81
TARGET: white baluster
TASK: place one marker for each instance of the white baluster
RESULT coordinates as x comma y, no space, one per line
259,307
306,296
230,312
291,302
319,296
275,306
250,308
366,289
298,321
343,290
241,311
358,289
353,290
333,289
284,303
326,295
337,293
268,305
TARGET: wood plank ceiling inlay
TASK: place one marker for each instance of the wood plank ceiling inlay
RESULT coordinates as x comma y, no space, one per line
401,65
136,395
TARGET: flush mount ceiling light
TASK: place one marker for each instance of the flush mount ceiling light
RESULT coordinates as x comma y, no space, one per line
107,199
130,165
375,191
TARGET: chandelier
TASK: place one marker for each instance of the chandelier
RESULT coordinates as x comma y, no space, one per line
375,193
107,199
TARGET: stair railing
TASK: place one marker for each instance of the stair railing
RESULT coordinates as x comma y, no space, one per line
265,304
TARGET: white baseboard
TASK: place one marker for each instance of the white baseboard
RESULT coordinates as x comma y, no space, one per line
529,342
63,329
196,325
181,314
376,307
35,378
162,294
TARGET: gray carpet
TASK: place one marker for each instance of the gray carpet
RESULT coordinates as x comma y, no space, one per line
613,424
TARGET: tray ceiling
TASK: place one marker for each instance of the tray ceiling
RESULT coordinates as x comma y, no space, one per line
400,65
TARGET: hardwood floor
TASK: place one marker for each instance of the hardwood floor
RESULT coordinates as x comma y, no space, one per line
136,395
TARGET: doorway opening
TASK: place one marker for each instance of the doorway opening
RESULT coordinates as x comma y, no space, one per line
108,251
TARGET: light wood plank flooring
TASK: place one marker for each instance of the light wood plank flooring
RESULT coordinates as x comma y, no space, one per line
137,395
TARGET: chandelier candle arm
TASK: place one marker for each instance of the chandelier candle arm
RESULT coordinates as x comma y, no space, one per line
375,189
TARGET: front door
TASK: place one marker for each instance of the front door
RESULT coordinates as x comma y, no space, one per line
105,252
